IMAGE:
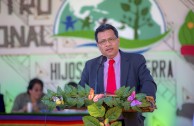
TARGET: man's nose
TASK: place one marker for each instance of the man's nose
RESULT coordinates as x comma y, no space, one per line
107,42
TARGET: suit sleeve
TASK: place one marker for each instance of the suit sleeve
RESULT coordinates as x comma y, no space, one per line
147,84
85,75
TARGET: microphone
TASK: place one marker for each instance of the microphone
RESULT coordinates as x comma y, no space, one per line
102,60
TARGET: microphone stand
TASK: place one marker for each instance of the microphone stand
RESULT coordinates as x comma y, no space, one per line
102,60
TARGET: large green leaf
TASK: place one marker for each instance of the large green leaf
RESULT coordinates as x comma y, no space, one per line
113,113
90,121
96,111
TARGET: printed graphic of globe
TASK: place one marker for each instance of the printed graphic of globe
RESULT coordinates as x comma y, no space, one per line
139,29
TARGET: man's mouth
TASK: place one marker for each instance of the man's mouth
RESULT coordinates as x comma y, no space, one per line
109,50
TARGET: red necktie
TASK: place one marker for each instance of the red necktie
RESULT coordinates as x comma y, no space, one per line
111,81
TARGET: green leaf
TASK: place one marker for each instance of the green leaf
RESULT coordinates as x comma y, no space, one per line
80,91
131,90
67,90
123,92
96,111
50,93
126,105
108,101
137,2
46,97
145,104
99,102
71,102
59,91
80,102
120,91
117,123
125,7
88,102
46,102
116,101
90,121
126,92
140,96
145,11
51,105
113,113
87,89
136,108
74,91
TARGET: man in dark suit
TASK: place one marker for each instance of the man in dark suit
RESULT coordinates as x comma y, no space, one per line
129,70
2,105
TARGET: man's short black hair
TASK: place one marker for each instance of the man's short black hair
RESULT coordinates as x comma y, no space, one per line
105,27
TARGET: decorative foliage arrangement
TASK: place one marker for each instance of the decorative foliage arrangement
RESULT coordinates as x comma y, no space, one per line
104,110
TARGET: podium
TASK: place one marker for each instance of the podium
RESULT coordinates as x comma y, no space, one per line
103,108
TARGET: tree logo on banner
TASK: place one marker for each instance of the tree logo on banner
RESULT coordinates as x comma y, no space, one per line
140,22
186,37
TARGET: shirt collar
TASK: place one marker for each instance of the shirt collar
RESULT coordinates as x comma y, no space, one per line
116,58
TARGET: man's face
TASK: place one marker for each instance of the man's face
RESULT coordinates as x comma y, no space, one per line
108,43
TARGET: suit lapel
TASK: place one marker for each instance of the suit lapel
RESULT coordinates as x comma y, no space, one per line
124,69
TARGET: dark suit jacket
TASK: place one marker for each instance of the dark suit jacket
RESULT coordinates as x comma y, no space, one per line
134,73
2,105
